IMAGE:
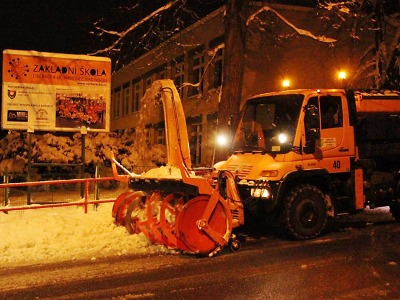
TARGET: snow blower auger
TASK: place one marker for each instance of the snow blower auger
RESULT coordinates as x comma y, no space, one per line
171,205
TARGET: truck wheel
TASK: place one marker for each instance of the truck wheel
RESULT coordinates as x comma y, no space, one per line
305,212
395,210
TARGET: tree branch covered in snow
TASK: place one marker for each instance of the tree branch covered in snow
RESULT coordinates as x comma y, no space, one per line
300,31
127,34
121,34
343,7
381,19
212,54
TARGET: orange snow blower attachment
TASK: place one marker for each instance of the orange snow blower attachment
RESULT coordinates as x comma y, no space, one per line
171,205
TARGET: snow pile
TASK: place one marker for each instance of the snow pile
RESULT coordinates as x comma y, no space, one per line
129,148
62,234
163,172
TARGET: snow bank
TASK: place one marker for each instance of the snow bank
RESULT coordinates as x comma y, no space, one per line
129,148
62,234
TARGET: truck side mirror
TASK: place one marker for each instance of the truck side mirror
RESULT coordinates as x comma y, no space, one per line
311,122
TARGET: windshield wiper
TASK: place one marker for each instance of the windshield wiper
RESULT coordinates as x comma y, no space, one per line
251,149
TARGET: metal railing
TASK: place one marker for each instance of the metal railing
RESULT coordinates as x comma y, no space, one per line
83,201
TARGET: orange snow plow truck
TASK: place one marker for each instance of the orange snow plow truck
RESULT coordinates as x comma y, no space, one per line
297,158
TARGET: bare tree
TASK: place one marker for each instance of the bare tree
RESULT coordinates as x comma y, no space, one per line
120,35
381,18
133,30
235,41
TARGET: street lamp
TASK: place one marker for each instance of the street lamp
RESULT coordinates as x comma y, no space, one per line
286,83
342,77
222,140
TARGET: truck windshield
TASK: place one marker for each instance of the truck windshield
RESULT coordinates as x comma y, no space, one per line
268,124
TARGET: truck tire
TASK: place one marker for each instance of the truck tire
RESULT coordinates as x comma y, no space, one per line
305,212
395,210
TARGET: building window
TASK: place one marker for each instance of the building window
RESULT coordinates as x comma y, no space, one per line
113,105
162,75
195,141
117,110
148,83
197,74
195,133
160,136
136,95
179,76
217,65
148,133
116,102
126,97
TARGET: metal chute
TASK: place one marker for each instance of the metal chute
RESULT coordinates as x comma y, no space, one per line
188,212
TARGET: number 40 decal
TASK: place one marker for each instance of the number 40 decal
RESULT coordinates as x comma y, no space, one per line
336,164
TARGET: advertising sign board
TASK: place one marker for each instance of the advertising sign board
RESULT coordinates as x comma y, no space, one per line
55,92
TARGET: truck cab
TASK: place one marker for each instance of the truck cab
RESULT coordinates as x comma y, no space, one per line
296,158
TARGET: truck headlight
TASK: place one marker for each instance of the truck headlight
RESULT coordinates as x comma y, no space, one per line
282,138
269,173
259,193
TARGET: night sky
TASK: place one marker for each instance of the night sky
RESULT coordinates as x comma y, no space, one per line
65,26
50,26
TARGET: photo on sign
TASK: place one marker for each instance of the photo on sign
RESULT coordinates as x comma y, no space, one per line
75,110
17,115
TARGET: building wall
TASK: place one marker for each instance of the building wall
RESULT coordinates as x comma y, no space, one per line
273,53
278,52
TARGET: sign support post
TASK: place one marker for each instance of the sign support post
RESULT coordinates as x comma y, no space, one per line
83,158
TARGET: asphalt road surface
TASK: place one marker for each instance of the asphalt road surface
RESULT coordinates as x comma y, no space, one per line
356,259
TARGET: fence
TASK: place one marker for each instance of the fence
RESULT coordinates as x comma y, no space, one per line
65,195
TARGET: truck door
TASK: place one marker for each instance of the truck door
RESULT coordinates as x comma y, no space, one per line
336,136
